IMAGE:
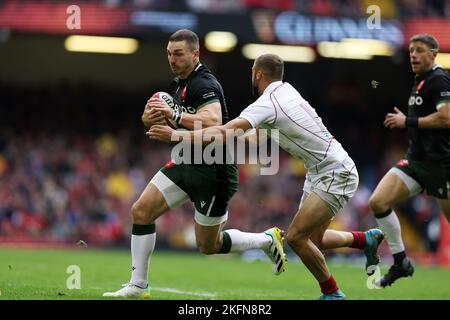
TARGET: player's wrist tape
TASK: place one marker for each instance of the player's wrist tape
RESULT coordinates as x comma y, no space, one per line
177,114
412,122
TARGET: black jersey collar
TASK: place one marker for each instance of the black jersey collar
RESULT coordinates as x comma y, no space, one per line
423,76
197,67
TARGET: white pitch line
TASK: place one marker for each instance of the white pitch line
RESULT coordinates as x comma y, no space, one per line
191,293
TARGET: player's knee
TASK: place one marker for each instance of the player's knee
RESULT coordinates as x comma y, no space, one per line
140,214
295,238
378,204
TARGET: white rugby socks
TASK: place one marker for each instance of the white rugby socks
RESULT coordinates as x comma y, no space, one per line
241,241
143,241
392,229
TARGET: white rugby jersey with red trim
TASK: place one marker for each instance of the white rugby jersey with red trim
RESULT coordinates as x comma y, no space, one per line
301,131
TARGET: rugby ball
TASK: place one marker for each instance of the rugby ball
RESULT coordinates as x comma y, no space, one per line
168,100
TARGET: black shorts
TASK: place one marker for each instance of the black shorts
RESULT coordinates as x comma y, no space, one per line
433,177
210,187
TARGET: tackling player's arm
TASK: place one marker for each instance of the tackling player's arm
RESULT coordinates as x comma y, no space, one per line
205,136
254,136
251,117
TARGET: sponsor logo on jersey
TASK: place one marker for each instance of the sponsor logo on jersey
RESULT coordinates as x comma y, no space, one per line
189,110
445,94
171,103
202,203
209,95
415,100
403,163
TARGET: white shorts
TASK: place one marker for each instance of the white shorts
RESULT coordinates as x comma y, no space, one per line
334,186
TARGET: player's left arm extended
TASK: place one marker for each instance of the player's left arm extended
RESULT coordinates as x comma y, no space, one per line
436,120
231,130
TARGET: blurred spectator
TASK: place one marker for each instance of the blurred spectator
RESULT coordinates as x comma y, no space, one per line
282,5
213,6
321,8
390,9
72,167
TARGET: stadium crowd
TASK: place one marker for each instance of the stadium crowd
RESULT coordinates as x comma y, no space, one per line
73,159
393,9
389,8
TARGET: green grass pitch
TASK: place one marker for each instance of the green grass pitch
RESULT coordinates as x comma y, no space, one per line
42,274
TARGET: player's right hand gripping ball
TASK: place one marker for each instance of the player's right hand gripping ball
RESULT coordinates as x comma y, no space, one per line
168,100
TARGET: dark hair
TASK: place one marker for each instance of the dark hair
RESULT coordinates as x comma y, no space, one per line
189,36
428,39
272,66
